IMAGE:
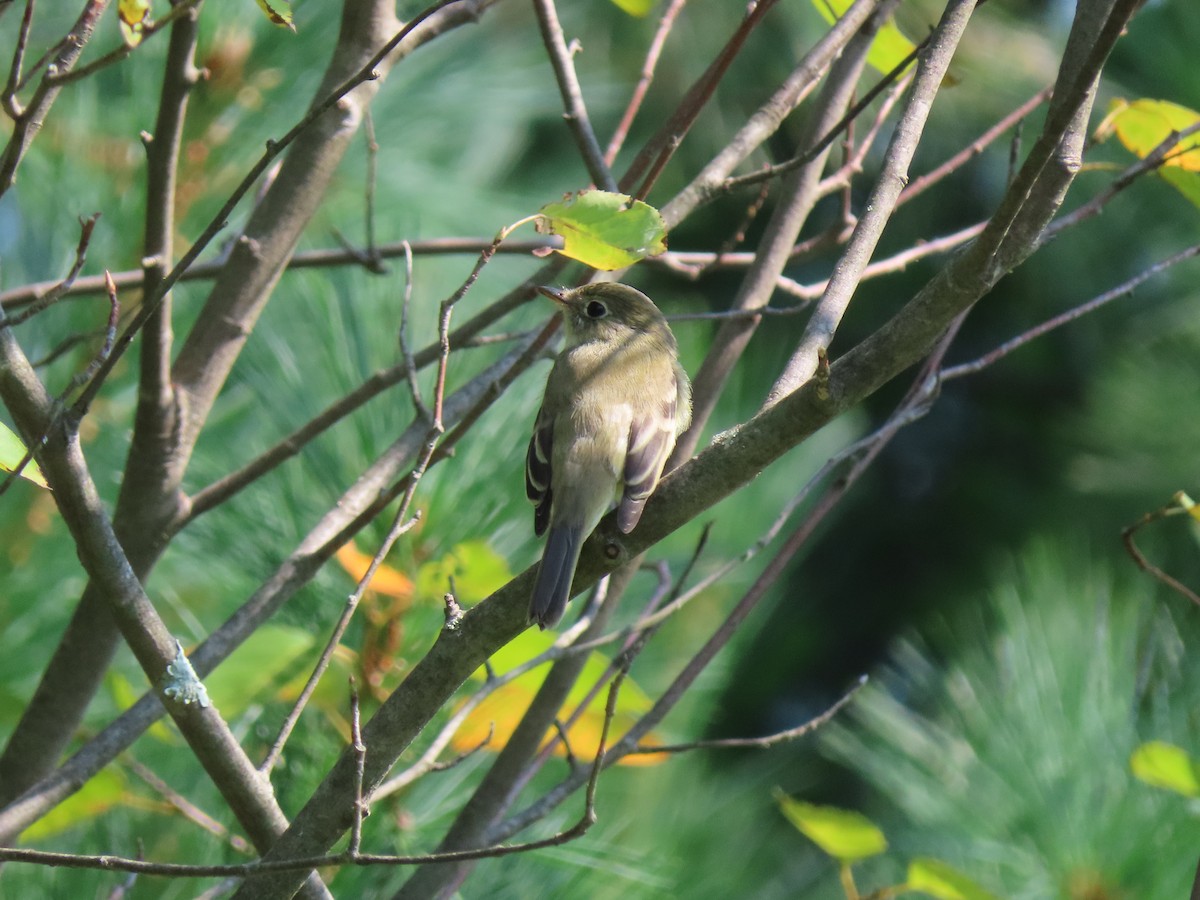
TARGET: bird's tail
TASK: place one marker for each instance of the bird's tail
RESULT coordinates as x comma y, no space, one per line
553,587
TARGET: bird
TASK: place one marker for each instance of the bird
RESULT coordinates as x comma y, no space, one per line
616,400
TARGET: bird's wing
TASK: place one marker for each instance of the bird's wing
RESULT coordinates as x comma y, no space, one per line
651,437
537,470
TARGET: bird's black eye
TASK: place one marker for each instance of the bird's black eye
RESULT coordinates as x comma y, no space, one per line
596,310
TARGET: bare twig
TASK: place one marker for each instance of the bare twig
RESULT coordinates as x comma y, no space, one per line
62,58
761,743
182,8
60,288
922,183
568,86
11,104
659,150
665,24
366,73
767,119
369,199
1179,505
1121,290
811,153
400,525
361,809
186,808
1151,161
305,259
410,365
826,318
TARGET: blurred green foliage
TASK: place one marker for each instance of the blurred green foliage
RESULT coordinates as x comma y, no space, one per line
999,729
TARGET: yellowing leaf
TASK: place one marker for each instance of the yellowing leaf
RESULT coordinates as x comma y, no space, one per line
279,12
500,712
1141,125
843,834
386,580
134,17
476,569
889,48
12,451
1188,505
937,879
604,230
637,8
1166,766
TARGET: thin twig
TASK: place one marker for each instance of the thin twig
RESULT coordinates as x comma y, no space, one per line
665,24
273,149
1151,161
400,525
922,183
369,200
360,762
1075,312
60,289
660,148
771,172
760,743
568,86
304,259
880,204
182,8
11,105
1180,505
410,365
186,808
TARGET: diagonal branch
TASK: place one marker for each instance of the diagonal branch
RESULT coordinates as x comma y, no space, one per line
568,85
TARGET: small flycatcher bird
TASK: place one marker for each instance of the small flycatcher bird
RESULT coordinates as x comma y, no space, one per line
615,402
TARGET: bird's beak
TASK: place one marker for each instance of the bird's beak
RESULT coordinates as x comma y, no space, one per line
558,295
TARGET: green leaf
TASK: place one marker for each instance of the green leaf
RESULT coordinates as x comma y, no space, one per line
478,571
937,879
1166,766
101,792
254,667
890,47
842,833
604,230
637,8
278,11
12,451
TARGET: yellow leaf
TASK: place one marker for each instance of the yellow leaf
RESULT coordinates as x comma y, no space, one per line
889,48
386,580
1141,125
842,833
134,16
937,879
636,8
12,451
279,12
499,713
1166,766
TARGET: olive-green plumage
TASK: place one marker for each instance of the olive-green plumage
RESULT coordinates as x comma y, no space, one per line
615,402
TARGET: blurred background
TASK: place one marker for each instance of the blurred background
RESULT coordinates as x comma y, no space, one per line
1016,655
